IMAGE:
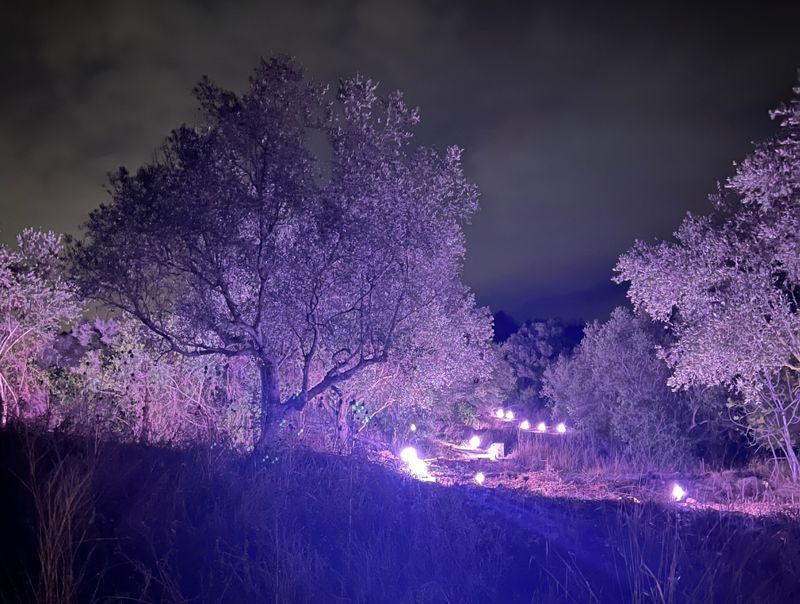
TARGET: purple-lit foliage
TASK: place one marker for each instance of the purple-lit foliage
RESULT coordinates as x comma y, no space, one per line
615,386
35,302
729,289
448,356
305,234
122,388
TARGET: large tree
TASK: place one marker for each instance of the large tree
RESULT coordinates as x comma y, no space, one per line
728,286
303,232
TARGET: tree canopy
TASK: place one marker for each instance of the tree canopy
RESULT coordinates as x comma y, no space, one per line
728,287
305,233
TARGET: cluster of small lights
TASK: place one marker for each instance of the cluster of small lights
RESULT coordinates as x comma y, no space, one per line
418,468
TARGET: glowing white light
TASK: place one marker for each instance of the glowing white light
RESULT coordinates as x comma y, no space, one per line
541,427
525,425
678,493
561,428
493,451
509,414
475,441
480,477
418,467
413,427
408,454
499,414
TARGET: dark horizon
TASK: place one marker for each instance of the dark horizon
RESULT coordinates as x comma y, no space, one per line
583,129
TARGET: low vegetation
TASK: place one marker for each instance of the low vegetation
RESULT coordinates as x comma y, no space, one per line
149,524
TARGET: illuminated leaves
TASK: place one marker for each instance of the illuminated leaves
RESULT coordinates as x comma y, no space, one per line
728,287
36,301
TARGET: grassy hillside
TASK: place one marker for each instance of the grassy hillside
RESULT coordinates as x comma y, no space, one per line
125,523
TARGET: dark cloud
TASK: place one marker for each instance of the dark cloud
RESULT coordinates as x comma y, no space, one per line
585,128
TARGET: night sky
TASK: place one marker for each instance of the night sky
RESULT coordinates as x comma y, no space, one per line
584,128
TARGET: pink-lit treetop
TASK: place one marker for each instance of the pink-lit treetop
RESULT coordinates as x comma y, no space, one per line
35,302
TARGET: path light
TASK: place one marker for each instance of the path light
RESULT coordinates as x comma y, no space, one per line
418,467
541,427
493,451
475,441
509,414
525,425
678,493
408,454
499,414
561,428
480,477
413,427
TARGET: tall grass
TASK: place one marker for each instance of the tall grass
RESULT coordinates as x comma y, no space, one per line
579,452
294,526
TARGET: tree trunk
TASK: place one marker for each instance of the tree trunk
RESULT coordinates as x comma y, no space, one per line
270,398
144,432
343,426
791,456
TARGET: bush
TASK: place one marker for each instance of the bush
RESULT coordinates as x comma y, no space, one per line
615,387
464,412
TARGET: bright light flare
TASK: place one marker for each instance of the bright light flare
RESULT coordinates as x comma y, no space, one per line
499,414
493,451
408,455
541,427
413,427
418,467
475,441
480,477
561,428
509,414
678,493
525,425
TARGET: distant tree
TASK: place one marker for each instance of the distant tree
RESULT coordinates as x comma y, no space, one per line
533,348
729,289
36,301
304,234
615,386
